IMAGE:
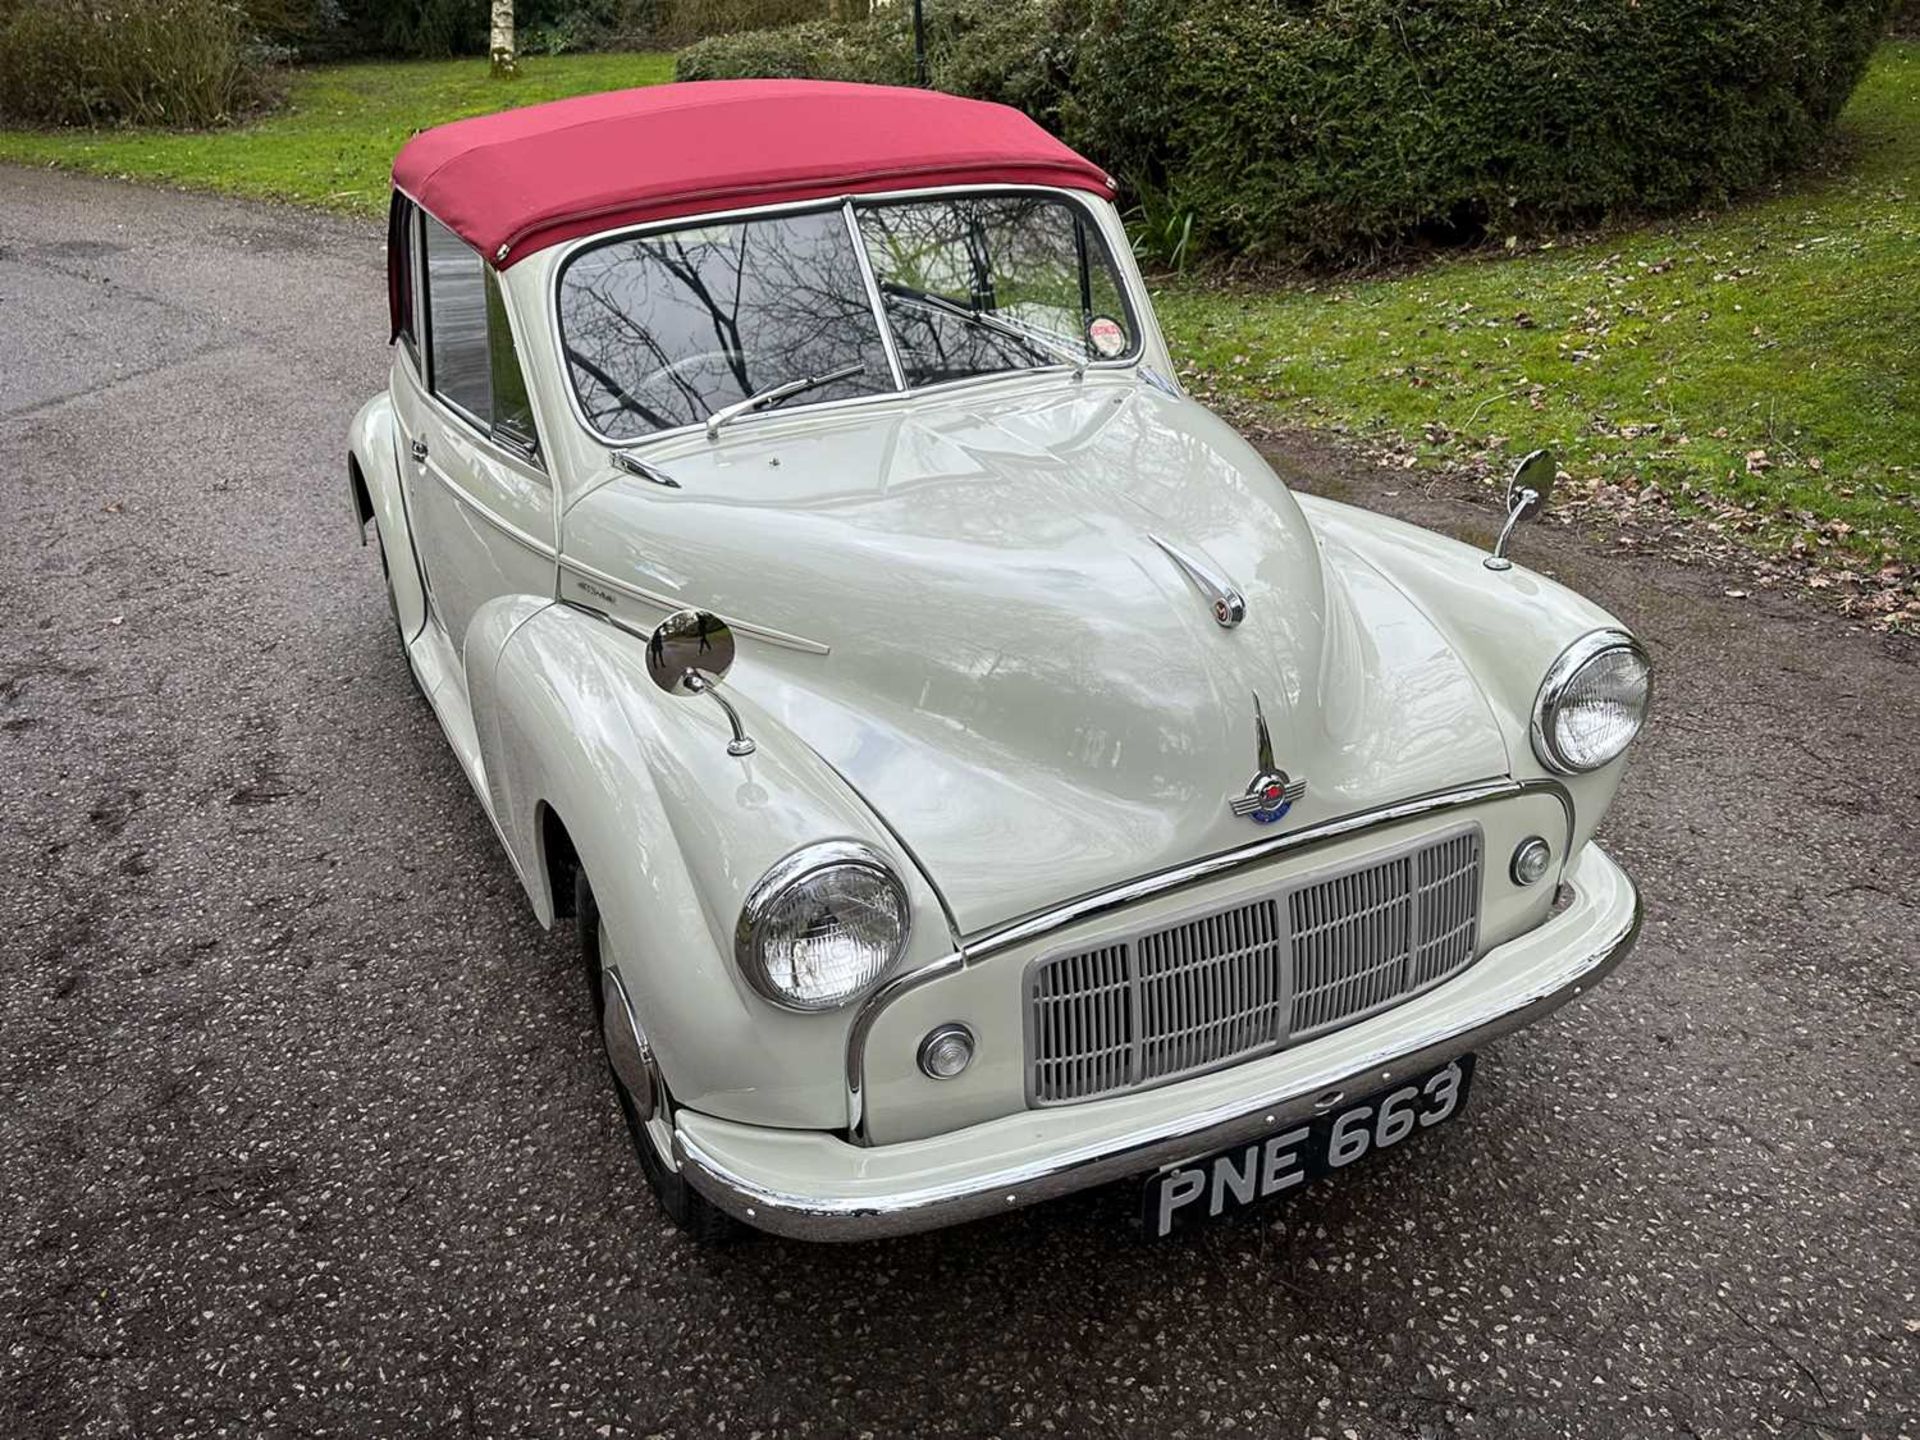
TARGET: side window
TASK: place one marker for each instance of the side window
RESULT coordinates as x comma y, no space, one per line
512,411
458,366
471,362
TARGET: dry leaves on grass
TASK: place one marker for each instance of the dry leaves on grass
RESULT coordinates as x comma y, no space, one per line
1766,551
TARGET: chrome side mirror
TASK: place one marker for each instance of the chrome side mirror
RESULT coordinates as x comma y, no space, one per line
689,653
1527,494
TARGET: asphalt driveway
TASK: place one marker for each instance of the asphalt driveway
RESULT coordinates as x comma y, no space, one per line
303,1130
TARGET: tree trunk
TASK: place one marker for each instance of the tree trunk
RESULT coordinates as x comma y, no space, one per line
501,45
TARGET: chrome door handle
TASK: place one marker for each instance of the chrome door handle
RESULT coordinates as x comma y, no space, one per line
419,449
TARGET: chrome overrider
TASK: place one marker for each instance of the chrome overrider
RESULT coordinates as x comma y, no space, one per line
956,1178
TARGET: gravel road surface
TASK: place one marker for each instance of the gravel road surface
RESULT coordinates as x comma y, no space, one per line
303,1130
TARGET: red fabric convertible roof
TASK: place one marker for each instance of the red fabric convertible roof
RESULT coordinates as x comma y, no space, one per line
518,181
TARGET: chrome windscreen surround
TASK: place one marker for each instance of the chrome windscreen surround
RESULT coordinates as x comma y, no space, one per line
1320,951
1553,689
982,945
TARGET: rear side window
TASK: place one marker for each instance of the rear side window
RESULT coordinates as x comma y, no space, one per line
400,232
471,360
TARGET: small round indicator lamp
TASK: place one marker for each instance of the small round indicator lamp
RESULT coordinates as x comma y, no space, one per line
947,1050
1530,860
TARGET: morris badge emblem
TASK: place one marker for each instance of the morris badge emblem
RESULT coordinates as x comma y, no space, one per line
1272,793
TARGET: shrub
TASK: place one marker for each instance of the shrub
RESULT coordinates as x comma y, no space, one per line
1336,129
815,50
555,27
681,22
1339,129
1013,51
295,27
147,62
424,28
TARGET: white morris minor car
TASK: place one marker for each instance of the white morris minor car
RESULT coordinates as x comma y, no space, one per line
973,775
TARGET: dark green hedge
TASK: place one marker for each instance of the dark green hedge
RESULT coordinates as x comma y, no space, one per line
1342,128
1012,51
1336,129
813,50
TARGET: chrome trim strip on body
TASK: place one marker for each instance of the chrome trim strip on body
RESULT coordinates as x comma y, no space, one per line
499,522
982,944
583,571
1129,276
1166,1142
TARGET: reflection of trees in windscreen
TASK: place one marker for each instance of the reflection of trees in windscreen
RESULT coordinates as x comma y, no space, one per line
1027,260
663,330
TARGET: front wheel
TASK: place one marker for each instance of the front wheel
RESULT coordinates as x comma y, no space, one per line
686,1207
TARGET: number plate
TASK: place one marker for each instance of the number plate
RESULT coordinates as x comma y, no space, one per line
1203,1189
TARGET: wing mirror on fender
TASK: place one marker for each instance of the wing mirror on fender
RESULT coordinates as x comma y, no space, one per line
690,653
1527,494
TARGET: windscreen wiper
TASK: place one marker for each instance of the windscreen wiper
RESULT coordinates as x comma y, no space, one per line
774,394
1035,345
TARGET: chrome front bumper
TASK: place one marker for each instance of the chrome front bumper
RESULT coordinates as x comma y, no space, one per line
815,1186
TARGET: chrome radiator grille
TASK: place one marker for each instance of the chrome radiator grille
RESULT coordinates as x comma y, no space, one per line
1252,977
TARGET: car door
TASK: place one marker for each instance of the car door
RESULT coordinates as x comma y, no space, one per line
482,501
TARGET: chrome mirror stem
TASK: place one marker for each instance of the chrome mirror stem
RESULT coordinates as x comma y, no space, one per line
1527,493
697,684
1498,560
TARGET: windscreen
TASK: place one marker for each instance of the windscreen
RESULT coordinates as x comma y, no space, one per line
663,330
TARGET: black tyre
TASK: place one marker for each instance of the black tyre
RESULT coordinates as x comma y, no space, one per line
691,1211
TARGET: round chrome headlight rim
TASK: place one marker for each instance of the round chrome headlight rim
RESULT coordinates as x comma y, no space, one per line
1560,678
798,868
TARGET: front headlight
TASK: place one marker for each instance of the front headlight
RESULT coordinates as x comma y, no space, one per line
823,926
1592,702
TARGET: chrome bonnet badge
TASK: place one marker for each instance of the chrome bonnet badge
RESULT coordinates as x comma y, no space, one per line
1272,792
1229,607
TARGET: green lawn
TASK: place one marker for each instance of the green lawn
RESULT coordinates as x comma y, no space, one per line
1768,354
333,142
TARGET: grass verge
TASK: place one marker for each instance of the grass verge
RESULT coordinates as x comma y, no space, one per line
333,142
1759,367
